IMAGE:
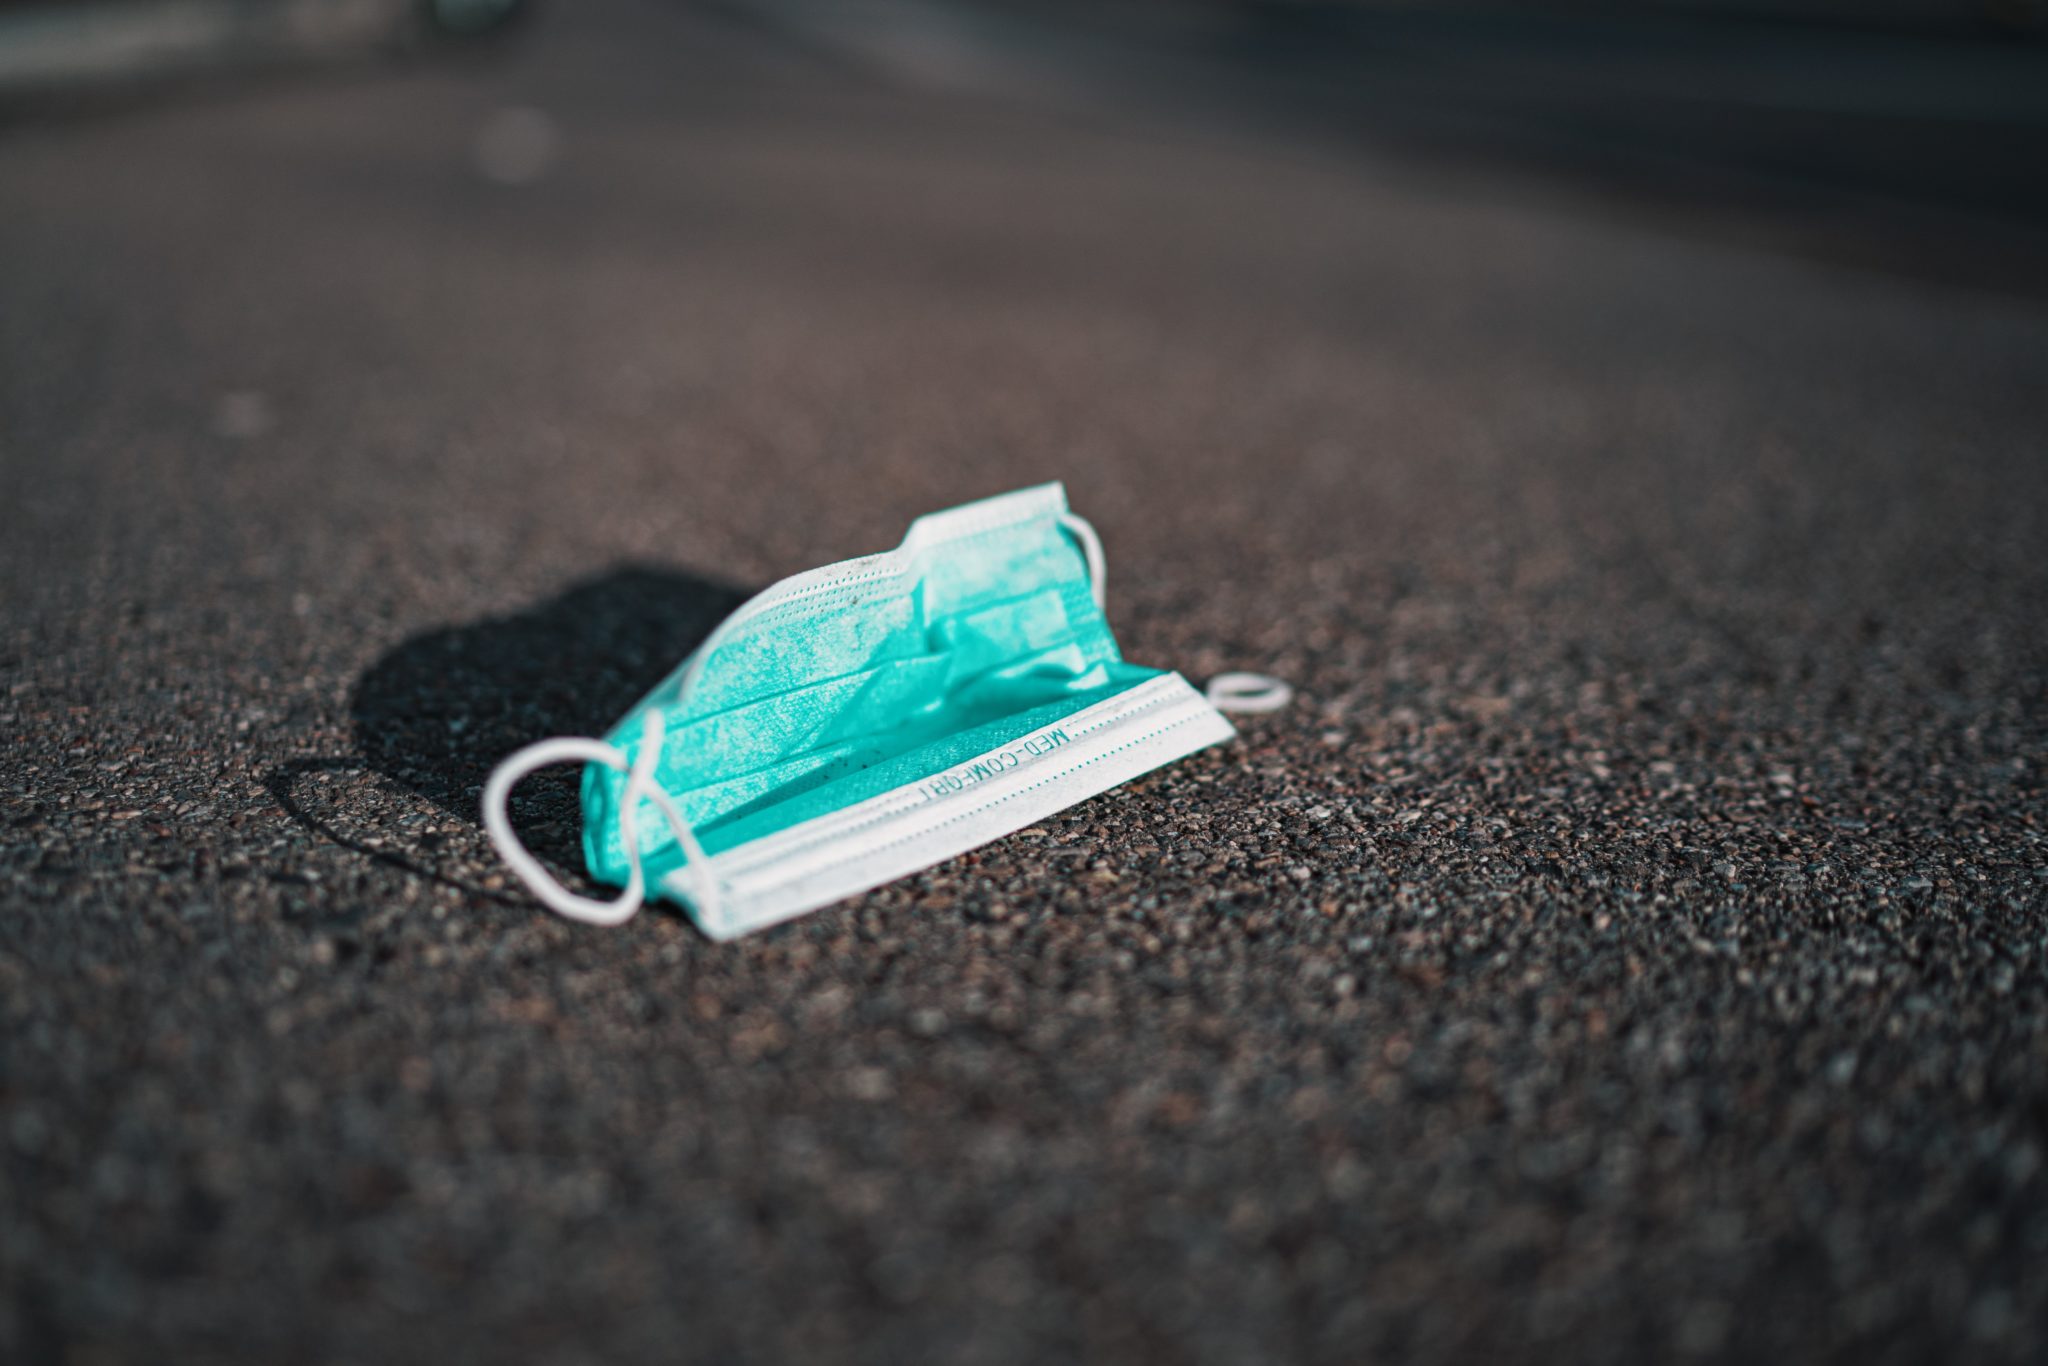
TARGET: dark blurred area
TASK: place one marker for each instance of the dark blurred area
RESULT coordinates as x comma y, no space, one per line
1906,135
1900,134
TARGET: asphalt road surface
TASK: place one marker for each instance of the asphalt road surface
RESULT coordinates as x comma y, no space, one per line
1629,947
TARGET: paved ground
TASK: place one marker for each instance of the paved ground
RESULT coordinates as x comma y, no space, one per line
1631,946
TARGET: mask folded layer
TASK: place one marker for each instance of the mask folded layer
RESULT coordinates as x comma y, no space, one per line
861,722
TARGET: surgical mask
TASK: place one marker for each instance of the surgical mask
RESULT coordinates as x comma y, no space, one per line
859,723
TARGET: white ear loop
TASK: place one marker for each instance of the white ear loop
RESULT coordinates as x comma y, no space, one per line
639,783
1247,693
1091,547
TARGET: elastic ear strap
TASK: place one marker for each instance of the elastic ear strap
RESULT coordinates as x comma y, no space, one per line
1091,548
640,784
1243,692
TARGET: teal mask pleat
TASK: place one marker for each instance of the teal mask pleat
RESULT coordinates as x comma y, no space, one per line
997,622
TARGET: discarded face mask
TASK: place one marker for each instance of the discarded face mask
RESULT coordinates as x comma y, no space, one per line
861,722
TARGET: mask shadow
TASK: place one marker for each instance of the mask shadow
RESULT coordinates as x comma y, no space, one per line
437,713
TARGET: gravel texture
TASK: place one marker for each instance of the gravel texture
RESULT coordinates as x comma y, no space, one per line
1631,946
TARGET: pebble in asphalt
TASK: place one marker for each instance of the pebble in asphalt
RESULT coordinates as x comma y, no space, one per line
1630,945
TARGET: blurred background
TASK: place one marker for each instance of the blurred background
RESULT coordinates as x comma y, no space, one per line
1625,424
1866,117
1901,133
